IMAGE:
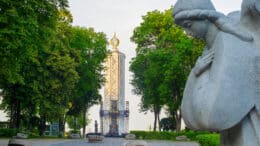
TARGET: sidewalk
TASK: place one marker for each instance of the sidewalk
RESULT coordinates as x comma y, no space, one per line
106,142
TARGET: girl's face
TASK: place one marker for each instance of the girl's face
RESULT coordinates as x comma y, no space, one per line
196,28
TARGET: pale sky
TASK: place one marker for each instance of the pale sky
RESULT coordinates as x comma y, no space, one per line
122,16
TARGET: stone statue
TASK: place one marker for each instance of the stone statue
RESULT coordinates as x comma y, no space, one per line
222,92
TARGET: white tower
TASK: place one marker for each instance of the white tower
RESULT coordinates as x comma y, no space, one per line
114,113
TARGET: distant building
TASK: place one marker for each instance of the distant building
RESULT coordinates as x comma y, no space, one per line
114,110
3,118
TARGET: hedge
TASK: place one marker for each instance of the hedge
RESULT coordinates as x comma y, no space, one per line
166,135
204,138
7,133
208,139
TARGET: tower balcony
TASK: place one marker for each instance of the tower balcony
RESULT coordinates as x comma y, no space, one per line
107,113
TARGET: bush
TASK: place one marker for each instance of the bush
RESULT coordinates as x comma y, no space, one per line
208,139
7,133
154,135
193,134
166,135
33,134
204,138
74,131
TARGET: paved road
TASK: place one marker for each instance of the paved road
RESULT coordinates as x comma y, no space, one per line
106,142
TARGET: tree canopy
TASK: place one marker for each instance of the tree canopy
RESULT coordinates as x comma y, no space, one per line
46,64
92,50
164,57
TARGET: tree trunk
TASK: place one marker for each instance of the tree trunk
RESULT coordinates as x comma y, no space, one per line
155,120
61,127
178,120
13,105
84,120
18,114
15,110
177,113
64,122
42,126
159,126
75,124
29,126
11,124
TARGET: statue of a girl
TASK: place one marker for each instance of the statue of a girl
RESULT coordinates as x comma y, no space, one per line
222,90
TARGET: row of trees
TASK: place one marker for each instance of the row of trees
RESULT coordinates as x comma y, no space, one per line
164,58
48,69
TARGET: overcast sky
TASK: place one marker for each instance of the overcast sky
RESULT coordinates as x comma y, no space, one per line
122,16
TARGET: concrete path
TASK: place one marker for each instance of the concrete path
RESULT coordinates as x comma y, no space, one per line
170,143
3,142
106,142
37,142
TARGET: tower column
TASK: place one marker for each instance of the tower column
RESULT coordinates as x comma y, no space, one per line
113,111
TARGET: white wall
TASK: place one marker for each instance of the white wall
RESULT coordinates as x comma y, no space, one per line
2,114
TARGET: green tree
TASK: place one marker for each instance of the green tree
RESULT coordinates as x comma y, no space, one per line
164,58
26,27
149,72
76,122
92,48
61,62
167,124
41,73
46,63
